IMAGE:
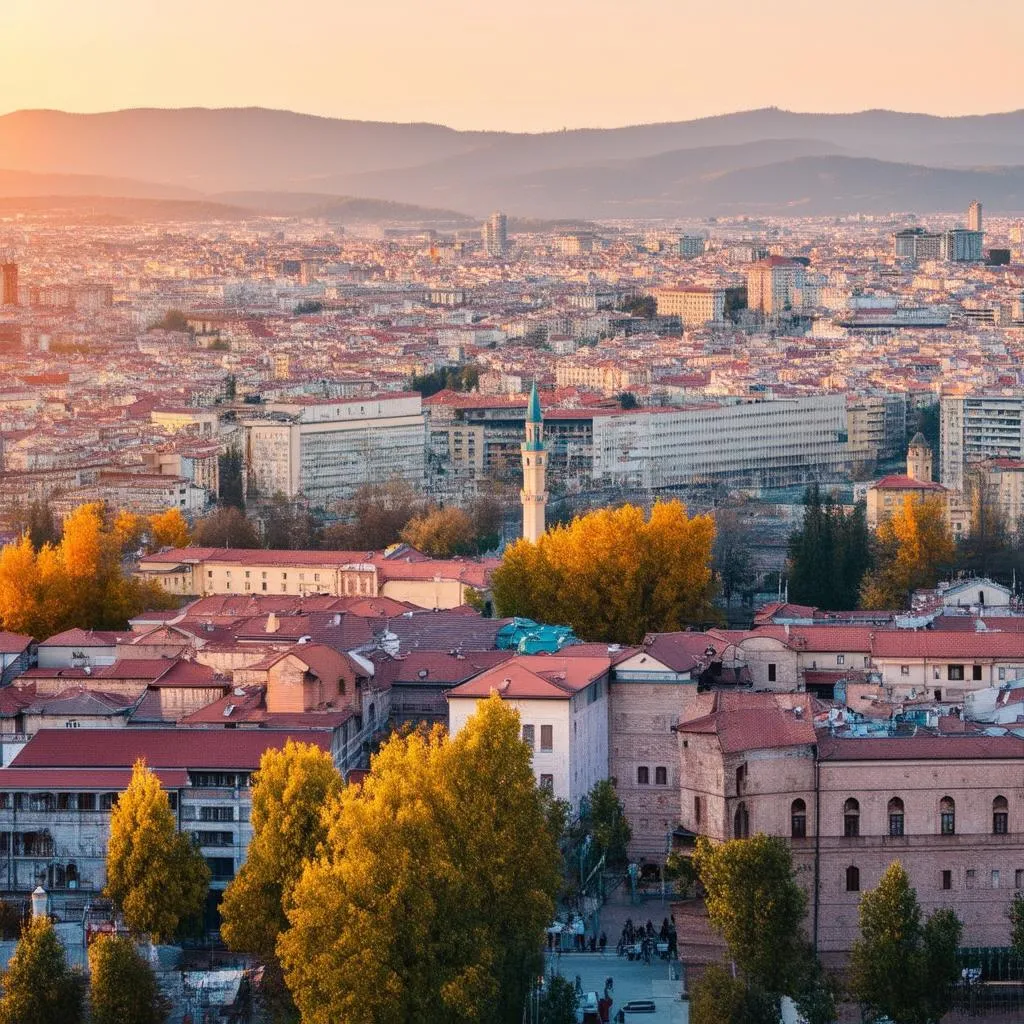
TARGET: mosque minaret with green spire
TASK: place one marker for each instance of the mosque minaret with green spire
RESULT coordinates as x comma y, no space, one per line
534,495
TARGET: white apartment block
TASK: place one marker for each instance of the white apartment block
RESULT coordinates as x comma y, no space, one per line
763,444
326,449
693,306
974,428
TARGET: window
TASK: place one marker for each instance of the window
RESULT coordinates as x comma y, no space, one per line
547,741
216,814
840,659
954,671
643,775
222,869
947,816
547,782
938,695
995,879
904,670
214,780
1002,673
741,822
895,816
798,819
771,671
976,672
528,735
263,586
947,879
661,776
1000,816
1018,879
969,878
741,778
853,879
851,818
697,809
107,801
87,801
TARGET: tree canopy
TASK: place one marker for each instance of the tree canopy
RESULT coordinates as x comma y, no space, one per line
719,998
225,527
77,582
605,819
913,548
829,554
156,876
290,790
122,986
614,575
899,967
436,882
441,532
374,517
38,986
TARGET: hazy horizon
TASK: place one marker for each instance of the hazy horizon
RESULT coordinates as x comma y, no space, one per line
540,66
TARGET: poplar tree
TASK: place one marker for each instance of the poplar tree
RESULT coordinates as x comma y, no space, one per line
122,986
156,875
38,986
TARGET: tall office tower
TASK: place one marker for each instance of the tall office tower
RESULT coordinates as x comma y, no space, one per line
974,216
495,234
691,246
9,289
963,246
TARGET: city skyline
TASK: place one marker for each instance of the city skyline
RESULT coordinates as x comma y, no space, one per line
535,68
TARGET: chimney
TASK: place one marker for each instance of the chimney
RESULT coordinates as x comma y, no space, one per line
273,625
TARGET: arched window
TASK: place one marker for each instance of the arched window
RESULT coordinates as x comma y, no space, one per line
741,822
947,816
851,818
798,819
895,816
1000,816
741,778
853,878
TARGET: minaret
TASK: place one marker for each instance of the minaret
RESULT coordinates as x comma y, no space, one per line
535,463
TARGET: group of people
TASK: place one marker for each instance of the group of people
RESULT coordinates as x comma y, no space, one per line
645,937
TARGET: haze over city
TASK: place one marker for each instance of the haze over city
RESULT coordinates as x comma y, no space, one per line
511,513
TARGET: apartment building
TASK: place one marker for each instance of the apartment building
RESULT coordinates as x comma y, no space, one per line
325,450
976,427
774,284
694,306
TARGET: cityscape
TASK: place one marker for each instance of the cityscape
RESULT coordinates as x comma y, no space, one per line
460,567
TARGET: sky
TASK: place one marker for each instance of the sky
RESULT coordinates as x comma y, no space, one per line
517,65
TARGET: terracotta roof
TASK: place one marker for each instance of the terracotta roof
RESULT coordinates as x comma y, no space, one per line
161,748
102,779
924,747
755,721
86,638
535,677
13,643
434,668
682,651
905,483
946,644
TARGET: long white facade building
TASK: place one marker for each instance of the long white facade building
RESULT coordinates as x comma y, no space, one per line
326,449
976,427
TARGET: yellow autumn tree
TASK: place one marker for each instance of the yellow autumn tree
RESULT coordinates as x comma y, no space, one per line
613,574
441,532
913,546
79,582
168,530
128,529
438,877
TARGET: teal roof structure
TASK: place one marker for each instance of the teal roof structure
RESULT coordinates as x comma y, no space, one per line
533,412
528,637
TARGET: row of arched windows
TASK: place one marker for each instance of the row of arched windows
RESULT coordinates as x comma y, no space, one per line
895,817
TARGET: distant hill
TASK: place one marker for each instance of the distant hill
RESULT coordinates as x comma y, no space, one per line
767,161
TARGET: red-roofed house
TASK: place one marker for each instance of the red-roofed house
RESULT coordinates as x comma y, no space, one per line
563,709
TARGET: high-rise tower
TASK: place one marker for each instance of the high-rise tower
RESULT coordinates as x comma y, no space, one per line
534,496
495,234
974,216
8,284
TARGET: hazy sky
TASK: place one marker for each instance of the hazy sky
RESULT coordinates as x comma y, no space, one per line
520,64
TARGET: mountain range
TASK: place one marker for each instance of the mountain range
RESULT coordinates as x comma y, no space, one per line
244,160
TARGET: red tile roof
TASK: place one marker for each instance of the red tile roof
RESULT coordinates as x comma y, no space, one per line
947,644
905,483
161,748
755,721
535,677
103,779
922,747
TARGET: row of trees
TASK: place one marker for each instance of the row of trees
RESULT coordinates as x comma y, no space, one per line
79,580
614,575
423,891
902,967
157,880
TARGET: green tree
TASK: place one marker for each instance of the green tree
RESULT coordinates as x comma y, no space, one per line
225,527
37,520
753,899
559,1002
614,575
290,790
1016,916
289,524
156,876
640,305
38,986
719,998
627,400
899,967
122,986
172,320
436,883
606,821
308,306
731,555
829,554
230,489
